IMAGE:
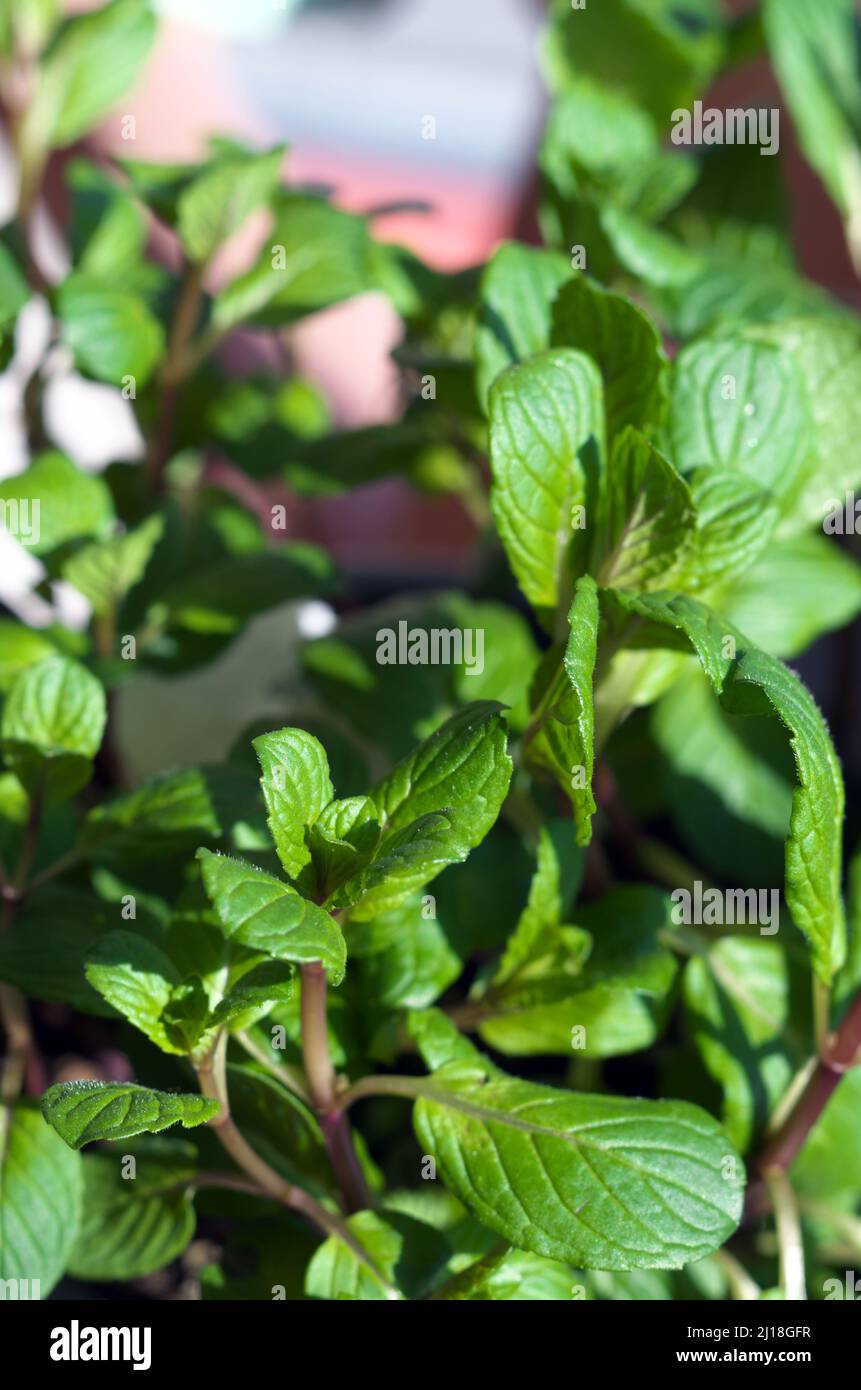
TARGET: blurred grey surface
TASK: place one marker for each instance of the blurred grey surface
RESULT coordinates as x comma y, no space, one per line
360,76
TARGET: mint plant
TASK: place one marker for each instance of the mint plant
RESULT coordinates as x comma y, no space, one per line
553,867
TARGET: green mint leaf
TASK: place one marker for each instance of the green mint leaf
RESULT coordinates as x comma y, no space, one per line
394,703
518,287
111,332
173,813
391,1257
510,1275
718,289
440,1041
217,202
281,1128
53,502
539,919
510,657
564,721
735,520
812,587
114,238
600,1181
828,1166
316,255
600,145
463,766
407,859
654,256
185,1017
649,517
44,951
27,26
20,648
221,599
827,353
158,185
133,1226
41,1197
546,443
296,787
106,571
624,343
52,726
416,963
817,55
259,911
280,1247
703,745
254,993
96,59
137,979
849,980
740,405
14,291
341,840
84,1111
602,988
737,1001
751,682
662,54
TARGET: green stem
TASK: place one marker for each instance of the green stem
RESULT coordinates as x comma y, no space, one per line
173,374
212,1079
821,1015
230,1182
59,866
666,867
20,1043
407,1087
211,1075
849,1226
789,1238
793,1092
290,1077
742,1287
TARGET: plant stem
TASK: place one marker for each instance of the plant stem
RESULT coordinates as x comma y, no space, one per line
323,1088
212,1079
821,1015
229,1181
319,1071
848,1225
665,866
784,1146
468,1015
789,1100
211,1074
789,1238
59,866
173,374
21,1063
408,1087
288,1076
742,1287
841,1053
